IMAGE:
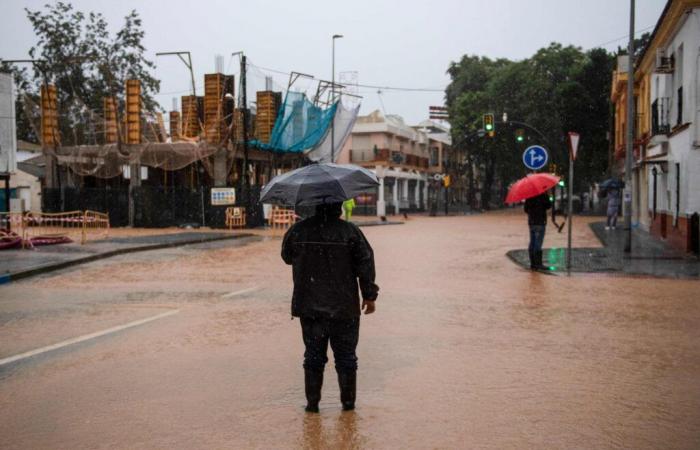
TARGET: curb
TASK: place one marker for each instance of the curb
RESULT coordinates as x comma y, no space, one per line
8,277
377,224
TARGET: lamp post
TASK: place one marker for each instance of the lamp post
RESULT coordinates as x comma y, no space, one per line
630,135
335,36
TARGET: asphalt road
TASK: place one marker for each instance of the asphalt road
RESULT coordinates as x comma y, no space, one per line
193,347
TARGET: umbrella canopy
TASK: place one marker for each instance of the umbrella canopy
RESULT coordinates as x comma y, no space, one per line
612,183
318,183
531,186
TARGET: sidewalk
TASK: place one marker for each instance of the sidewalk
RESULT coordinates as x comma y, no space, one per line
23,263
649,256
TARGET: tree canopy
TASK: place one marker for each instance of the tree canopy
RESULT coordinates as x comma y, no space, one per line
557,90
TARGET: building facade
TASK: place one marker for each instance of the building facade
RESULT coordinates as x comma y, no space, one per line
405,159
667,149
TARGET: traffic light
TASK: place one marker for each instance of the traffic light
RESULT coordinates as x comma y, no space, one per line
489,123
446,181
520,135
561,183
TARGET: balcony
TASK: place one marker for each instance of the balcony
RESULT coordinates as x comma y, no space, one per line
386,156
660,109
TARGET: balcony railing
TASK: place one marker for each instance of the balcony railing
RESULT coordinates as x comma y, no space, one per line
385,155
660,109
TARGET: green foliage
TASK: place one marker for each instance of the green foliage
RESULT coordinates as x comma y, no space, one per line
76,52
558,89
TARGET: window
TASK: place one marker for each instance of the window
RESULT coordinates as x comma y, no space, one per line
679,107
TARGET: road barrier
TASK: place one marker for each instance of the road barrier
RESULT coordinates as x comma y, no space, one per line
281,219
42,228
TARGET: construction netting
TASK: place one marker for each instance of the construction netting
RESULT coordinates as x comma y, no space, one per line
344,119
109,160
300,125
304,127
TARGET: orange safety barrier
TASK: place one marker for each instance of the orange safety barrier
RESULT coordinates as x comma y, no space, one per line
79,225
282,219
235,217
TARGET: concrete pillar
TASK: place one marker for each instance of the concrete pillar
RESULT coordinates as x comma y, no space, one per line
425,193
220,169
381,205
396,195
404,196
133,137
417,193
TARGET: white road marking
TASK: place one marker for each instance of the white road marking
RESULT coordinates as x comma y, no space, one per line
242,291
84,338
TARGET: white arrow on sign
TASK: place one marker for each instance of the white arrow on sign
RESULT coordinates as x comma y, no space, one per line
573,140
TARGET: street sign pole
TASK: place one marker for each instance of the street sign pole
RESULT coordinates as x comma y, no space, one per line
573,148
570,209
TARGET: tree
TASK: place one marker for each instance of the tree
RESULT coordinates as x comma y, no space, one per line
76,52
558,89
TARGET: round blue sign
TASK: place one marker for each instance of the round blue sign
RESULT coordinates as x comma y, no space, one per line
535,157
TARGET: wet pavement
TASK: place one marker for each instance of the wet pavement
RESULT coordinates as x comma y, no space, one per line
20,263
649,256
466,350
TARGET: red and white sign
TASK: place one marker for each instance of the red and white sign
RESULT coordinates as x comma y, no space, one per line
573,142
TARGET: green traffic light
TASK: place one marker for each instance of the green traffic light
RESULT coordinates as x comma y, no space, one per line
489,127
551,198
561,183
519,138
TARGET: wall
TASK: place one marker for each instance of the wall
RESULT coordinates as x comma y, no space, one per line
22,179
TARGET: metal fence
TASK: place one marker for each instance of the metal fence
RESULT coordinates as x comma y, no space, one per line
35,228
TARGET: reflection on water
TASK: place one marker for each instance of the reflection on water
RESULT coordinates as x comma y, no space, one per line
338,433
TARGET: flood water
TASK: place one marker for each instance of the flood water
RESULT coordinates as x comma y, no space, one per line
466,350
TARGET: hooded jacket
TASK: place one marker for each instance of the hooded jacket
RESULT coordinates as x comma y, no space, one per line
328,257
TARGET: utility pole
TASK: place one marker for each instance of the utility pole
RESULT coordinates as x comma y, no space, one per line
244,101
630,134
335,36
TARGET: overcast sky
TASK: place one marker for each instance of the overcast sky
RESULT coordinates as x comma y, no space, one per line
388,43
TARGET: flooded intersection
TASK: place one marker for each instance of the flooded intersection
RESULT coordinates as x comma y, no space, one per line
466,350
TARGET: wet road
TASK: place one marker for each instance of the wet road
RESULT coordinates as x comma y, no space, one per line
466,350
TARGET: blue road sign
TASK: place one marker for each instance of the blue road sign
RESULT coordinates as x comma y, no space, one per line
535,157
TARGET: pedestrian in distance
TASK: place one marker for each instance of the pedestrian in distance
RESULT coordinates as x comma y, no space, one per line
613,208
328,257
536,209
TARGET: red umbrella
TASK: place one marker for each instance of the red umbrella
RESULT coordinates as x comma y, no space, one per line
531,186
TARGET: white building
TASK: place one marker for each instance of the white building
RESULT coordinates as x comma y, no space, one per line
670,160
404,158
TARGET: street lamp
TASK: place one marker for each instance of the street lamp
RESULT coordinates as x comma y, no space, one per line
335,36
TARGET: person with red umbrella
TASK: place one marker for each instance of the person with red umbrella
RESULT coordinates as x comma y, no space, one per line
533,189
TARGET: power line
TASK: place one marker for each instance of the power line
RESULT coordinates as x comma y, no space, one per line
371,86
623,37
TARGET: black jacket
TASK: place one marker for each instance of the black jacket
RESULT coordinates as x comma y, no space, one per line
536,209
328,256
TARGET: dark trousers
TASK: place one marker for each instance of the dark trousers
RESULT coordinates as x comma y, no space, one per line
536,238
343,335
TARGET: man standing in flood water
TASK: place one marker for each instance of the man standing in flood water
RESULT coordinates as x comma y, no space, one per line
328,257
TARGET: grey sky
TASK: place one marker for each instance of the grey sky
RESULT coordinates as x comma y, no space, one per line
389,43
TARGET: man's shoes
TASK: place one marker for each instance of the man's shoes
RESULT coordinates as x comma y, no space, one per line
313,382
347,381
538,261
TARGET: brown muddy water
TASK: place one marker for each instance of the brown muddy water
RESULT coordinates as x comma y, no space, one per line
466,350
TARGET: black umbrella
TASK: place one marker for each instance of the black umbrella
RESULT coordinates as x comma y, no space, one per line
611,183
318,183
